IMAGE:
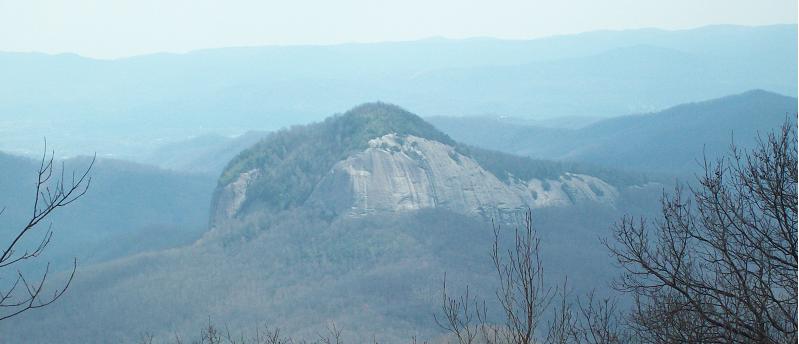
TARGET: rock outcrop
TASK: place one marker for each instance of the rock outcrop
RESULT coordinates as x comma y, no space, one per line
229,199
379,158
399,173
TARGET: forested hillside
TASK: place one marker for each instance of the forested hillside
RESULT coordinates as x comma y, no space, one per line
671,141
283,259
160,209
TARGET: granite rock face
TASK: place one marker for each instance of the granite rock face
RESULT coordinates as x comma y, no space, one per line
403,173
231,197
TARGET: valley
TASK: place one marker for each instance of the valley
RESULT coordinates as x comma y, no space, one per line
299,186
350,215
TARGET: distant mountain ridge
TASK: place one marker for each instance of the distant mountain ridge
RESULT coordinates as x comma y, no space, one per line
668,141
205,154
135,103
356,218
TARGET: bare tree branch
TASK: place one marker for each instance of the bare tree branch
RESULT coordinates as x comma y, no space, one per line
50,194
721,265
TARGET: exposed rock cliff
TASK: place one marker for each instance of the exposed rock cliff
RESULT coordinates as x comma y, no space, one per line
400,173
404,172
229,199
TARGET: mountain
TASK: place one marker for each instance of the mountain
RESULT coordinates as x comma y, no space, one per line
355,220
204,154
135,104
380,158
129,208
671,141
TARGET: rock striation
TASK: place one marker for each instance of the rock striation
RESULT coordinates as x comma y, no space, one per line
398,173
402,173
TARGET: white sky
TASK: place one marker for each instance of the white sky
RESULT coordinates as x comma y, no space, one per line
115,28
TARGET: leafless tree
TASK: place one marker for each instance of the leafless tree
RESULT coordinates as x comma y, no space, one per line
211,334
600,321
521,294
524,298
333,335
720,266
460,315
562,329
19,291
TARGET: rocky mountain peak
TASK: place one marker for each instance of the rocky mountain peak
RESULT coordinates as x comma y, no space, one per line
404,172
400,172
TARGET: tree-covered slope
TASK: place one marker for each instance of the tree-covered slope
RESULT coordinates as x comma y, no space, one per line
128,208
287,264
669,141
292,161
204,154
283,170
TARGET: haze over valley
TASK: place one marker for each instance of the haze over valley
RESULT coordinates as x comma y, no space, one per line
318,186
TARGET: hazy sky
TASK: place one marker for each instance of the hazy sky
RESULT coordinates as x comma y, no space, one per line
114,28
